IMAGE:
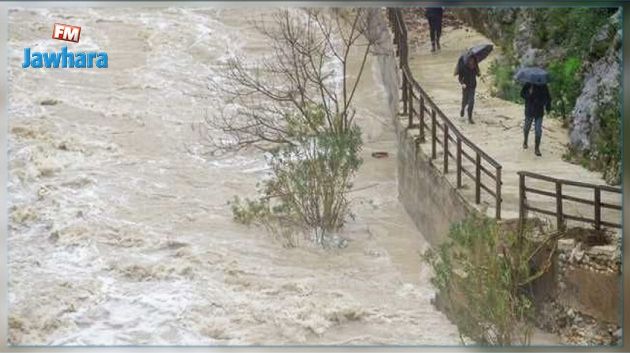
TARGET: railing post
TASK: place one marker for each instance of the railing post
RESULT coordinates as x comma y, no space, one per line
459,162
445,147
521,198
404,53
410,103
559,211
478,178
598,209
433,135
395,29
404,93
422,139
498,193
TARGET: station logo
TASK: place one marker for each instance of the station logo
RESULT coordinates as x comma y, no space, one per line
64,58
65,32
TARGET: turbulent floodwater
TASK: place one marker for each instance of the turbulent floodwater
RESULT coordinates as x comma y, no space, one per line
120,232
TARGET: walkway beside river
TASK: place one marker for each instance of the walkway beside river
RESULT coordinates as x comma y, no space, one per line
499,128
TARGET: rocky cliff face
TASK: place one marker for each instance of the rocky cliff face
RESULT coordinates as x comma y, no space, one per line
531,37
600,94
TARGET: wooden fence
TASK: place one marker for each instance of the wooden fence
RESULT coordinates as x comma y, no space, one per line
425,115
561,216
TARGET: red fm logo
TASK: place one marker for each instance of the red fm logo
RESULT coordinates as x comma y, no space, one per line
67,33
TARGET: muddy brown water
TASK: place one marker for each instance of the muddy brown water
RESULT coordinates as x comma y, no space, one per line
119,229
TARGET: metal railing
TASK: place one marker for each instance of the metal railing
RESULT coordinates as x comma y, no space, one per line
443,133
560,196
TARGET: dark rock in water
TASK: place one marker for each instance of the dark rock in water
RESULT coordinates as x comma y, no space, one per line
54,236
49,102
175,244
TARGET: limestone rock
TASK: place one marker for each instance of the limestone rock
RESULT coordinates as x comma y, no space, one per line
601,84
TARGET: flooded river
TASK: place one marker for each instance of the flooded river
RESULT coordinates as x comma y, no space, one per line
119,229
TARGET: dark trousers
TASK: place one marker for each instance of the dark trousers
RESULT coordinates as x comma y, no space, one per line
537,128
435,28
468,99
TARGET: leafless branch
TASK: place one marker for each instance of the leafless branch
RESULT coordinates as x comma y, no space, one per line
308,65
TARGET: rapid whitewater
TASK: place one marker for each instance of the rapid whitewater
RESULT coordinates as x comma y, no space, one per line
120,232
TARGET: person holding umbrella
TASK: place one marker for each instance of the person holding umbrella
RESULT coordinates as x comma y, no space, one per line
537,99
467,70
434,16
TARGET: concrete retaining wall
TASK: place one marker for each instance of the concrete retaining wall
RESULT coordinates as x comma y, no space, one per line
428,197
592,293
580,298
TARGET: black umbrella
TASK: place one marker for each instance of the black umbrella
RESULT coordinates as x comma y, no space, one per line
480,52
533,75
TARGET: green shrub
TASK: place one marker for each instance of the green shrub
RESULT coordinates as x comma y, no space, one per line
249,211
608,142
311,178
505,87
484,273
568,27
565,85
309,181
572,27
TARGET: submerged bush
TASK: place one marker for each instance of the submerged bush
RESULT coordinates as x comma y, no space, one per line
309,181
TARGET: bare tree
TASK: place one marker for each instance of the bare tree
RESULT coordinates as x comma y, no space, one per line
271,101
296,103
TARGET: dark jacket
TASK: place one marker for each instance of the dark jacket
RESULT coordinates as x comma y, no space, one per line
466,75
435,12
537,100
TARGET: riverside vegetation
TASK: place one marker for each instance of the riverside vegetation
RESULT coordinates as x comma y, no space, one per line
310,179
484,274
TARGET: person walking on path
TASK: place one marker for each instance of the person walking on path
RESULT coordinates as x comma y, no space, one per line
467,72
434,16
537,100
